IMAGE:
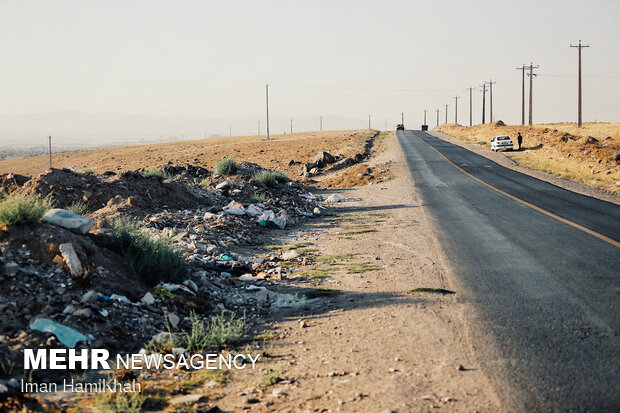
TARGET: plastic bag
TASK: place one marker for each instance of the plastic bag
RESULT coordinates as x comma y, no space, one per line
66,335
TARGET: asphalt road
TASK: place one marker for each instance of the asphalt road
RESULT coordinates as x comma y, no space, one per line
542,295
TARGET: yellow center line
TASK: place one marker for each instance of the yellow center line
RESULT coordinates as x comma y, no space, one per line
544,211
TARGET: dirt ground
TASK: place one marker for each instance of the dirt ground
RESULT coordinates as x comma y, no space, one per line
376,347
275,153
367,342
589,155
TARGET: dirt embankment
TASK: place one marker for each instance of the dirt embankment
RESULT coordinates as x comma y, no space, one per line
589,155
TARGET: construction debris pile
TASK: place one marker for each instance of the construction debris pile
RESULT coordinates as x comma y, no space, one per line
61,287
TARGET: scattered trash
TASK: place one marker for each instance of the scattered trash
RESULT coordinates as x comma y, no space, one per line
234,208
176,287
192,285
66,335
225,257
120,298
253,210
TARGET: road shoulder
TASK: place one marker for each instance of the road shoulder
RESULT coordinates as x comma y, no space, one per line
505,160
376,346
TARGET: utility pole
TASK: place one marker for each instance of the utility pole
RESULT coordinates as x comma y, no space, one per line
470,112
456,109
49,138
522,69
484,95
321,123
580,46
424,117
446,113
259,128
291,125
205,134
402,117
267,98
437,117
368,122
531,75
491,83
230,131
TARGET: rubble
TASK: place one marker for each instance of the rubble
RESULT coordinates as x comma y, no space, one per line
59,279
71,258
67,219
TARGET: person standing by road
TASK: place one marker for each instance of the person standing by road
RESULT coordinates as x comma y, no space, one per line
519,140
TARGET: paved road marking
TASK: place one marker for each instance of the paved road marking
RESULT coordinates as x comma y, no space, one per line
544,211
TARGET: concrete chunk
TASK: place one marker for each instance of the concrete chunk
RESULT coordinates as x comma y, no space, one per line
71,259
67,219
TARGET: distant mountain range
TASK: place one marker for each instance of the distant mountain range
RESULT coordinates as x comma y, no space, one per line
81,130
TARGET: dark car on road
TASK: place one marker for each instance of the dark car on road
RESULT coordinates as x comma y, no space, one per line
400,126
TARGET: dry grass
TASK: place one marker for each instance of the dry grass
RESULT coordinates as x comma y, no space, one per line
561,149
274,154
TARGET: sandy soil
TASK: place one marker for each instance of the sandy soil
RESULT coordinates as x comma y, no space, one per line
375,347
273,154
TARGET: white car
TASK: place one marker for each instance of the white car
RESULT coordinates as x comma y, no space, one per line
501,142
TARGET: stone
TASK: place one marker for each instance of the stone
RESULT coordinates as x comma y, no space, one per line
148,298
223,186
322,159
90,297
173,319
306,168
71,258
67,219
188,398
316,211
289,255
11,268
251,400
83,313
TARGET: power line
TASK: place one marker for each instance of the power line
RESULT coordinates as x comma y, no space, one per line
580,46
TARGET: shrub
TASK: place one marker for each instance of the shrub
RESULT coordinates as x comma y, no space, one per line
157,173
18,209
271,178
112,402
78,208
218,333
151,260
259,198
226,166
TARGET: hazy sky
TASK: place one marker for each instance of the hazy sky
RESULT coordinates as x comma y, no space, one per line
348,58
